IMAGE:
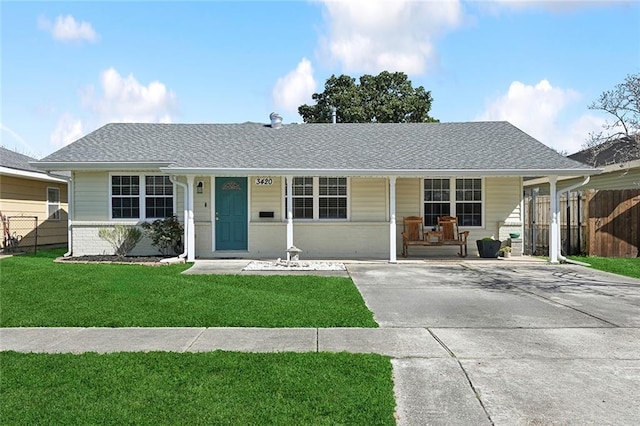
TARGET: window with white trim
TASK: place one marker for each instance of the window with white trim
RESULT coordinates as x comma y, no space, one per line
469,202
53,203
128,195
332,198
319,198
158,200
302,197
465,201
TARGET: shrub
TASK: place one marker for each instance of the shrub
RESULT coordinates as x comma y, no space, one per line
165,234
121,237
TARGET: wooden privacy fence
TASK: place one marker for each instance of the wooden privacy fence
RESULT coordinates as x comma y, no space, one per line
598,223
614,222
537,218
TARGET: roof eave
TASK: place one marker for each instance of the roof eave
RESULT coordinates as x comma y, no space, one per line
7,171
378,172
98,165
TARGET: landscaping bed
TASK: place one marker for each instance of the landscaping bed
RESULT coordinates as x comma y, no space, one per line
140,260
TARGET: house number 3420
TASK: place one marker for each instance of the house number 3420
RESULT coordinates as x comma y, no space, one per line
264,181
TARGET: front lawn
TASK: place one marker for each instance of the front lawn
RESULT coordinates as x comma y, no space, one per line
628,266
204,388
36,292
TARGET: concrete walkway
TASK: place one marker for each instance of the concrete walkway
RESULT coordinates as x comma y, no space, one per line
471,342
397,343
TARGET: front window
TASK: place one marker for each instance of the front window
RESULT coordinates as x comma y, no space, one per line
158,197
303,197
469,202
437,200
128,195
465,202
319,198
125,197
53,203
332,199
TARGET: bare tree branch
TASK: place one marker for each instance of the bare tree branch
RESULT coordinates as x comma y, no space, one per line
619,141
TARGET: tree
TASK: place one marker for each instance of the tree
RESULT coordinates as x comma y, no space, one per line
620,138
385,98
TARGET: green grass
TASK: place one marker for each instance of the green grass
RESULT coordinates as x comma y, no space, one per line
205,388
629,267
36,292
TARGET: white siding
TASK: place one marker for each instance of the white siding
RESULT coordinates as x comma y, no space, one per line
201,202
368,199
266,198
503,202
366,235
91,212
408,198
91,196
619,179
502,212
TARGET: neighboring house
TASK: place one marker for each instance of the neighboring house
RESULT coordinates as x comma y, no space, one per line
609,203
30,201
333,190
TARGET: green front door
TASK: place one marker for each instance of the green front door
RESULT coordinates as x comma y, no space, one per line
231,213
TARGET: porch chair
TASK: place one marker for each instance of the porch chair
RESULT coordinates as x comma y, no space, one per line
451,234
412,233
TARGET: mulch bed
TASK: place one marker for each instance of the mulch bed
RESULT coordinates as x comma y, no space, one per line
138,260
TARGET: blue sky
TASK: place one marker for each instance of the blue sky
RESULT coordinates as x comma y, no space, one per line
68,68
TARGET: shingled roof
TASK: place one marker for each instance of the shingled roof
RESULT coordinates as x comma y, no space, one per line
377,148
14,160
610,152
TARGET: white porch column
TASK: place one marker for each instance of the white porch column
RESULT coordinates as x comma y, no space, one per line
191,230
392,222
289,183
70,214
554,226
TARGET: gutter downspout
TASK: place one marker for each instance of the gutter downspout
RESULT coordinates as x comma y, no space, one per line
289,184
186,214
568,190
70,207
557,195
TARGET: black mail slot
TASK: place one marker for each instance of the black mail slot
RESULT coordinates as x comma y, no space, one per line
265,214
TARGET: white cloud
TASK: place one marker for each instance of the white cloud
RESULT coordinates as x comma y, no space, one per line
554,6
67,130
377,35
295,88
124,99
537,111
66,29
118,99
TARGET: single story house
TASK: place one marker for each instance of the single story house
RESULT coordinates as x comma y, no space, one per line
32,203
333,190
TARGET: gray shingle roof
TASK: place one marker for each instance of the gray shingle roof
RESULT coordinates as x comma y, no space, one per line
407,146
611,152
14,160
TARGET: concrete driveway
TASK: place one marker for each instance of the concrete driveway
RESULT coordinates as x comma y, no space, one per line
522,343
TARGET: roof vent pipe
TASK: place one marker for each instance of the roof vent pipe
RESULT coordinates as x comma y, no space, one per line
333,114
276,120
